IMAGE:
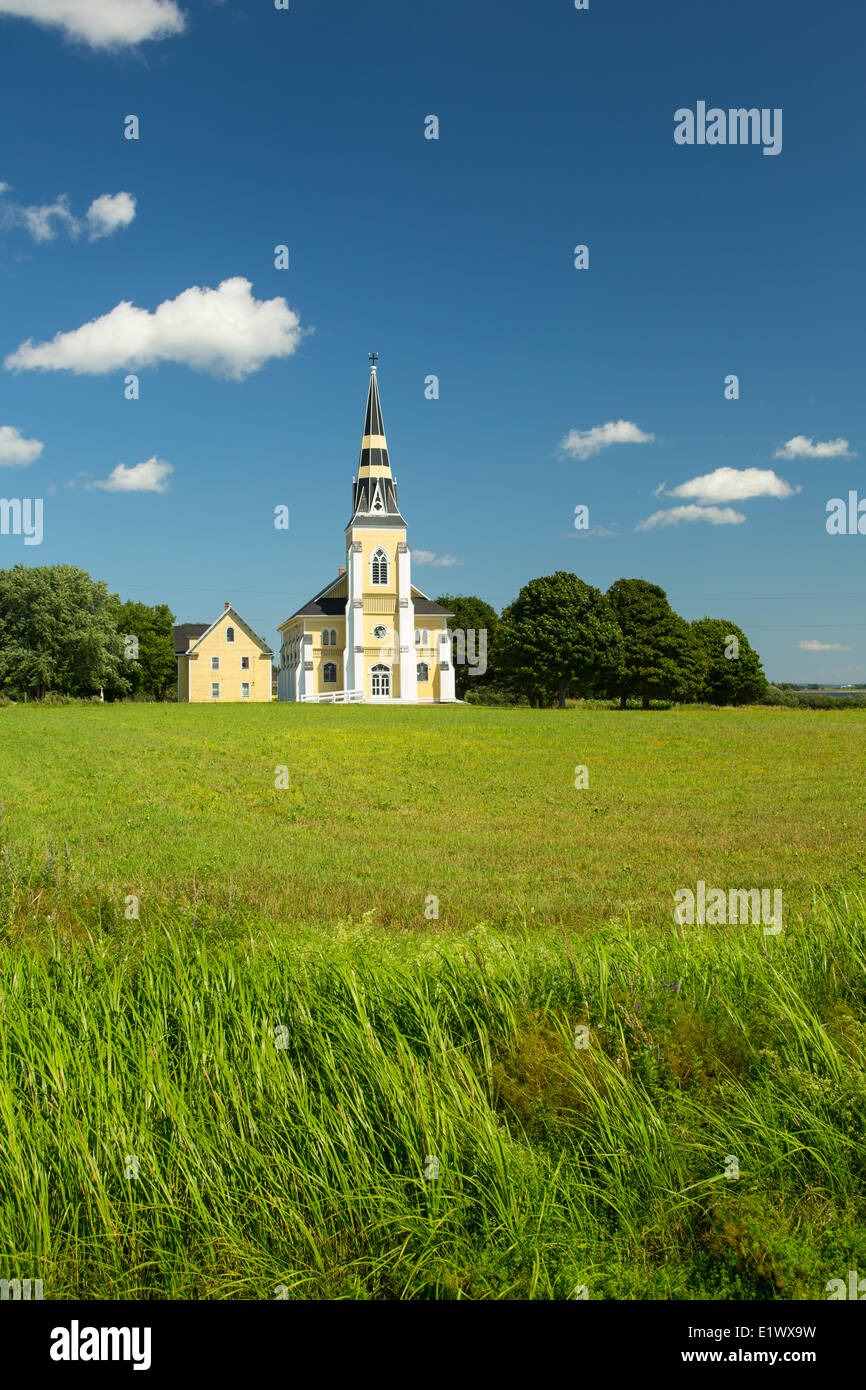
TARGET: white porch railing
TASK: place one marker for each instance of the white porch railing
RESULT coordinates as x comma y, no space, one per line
335,697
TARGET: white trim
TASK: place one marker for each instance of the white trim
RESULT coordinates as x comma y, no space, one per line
335,697
232,612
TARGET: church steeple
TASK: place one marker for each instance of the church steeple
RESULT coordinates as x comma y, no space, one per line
374,495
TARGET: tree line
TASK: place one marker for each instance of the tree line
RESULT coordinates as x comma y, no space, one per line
63,633
562,637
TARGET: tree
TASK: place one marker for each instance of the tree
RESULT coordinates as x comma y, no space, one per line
661,657
559,636
472,614
732,671
58,632
153,671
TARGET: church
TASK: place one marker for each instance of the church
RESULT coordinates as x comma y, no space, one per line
369,635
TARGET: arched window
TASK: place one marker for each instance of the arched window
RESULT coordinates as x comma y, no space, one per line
425,638
380,680
230,634
423,671
326,638
379,567
417,637
329,673
333,637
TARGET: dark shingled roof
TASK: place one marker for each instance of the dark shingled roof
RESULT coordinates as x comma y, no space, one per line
322,608
428,609
185,633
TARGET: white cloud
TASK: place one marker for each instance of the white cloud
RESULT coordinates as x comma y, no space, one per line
108,212
582,444
802,448
15,450
102,23
150,476
429,557
40,220
734,485
716,516
105,215
822,647
223,331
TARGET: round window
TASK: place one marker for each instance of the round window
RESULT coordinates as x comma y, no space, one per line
380,631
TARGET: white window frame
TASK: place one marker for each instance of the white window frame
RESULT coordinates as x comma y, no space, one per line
379,558
246,685
230,634
380,672
214,663
214,686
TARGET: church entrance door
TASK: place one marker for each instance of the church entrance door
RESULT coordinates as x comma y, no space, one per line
380,682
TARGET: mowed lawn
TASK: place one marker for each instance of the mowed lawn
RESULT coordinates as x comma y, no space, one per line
387,806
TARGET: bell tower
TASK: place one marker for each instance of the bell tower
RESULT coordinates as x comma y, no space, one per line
379,656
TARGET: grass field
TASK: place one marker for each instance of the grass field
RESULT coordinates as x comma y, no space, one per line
281,1078
177,804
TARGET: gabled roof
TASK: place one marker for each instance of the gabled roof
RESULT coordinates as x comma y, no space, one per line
236,618
184,634
426,607
330,602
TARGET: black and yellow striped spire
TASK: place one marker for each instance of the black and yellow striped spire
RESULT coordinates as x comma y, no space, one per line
374,495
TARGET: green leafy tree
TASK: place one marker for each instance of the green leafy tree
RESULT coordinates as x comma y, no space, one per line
559,637
661,657
153,671
732,671
58,632
472,614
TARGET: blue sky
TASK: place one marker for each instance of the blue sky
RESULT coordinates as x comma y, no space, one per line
452,257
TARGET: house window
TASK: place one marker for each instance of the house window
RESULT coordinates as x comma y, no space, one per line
380,680
245,690
423,671
245,663
333,637
379,567
417,637
425,637
230,634
329,673
214,663
214,690
326,638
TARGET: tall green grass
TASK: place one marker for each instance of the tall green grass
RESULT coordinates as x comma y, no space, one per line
364,1115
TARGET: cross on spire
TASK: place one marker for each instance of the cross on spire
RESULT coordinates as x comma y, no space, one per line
374,358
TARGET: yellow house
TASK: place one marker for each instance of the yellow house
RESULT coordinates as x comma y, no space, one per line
370,634
224,663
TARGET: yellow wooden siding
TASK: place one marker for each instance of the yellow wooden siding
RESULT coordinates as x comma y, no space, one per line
230,675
